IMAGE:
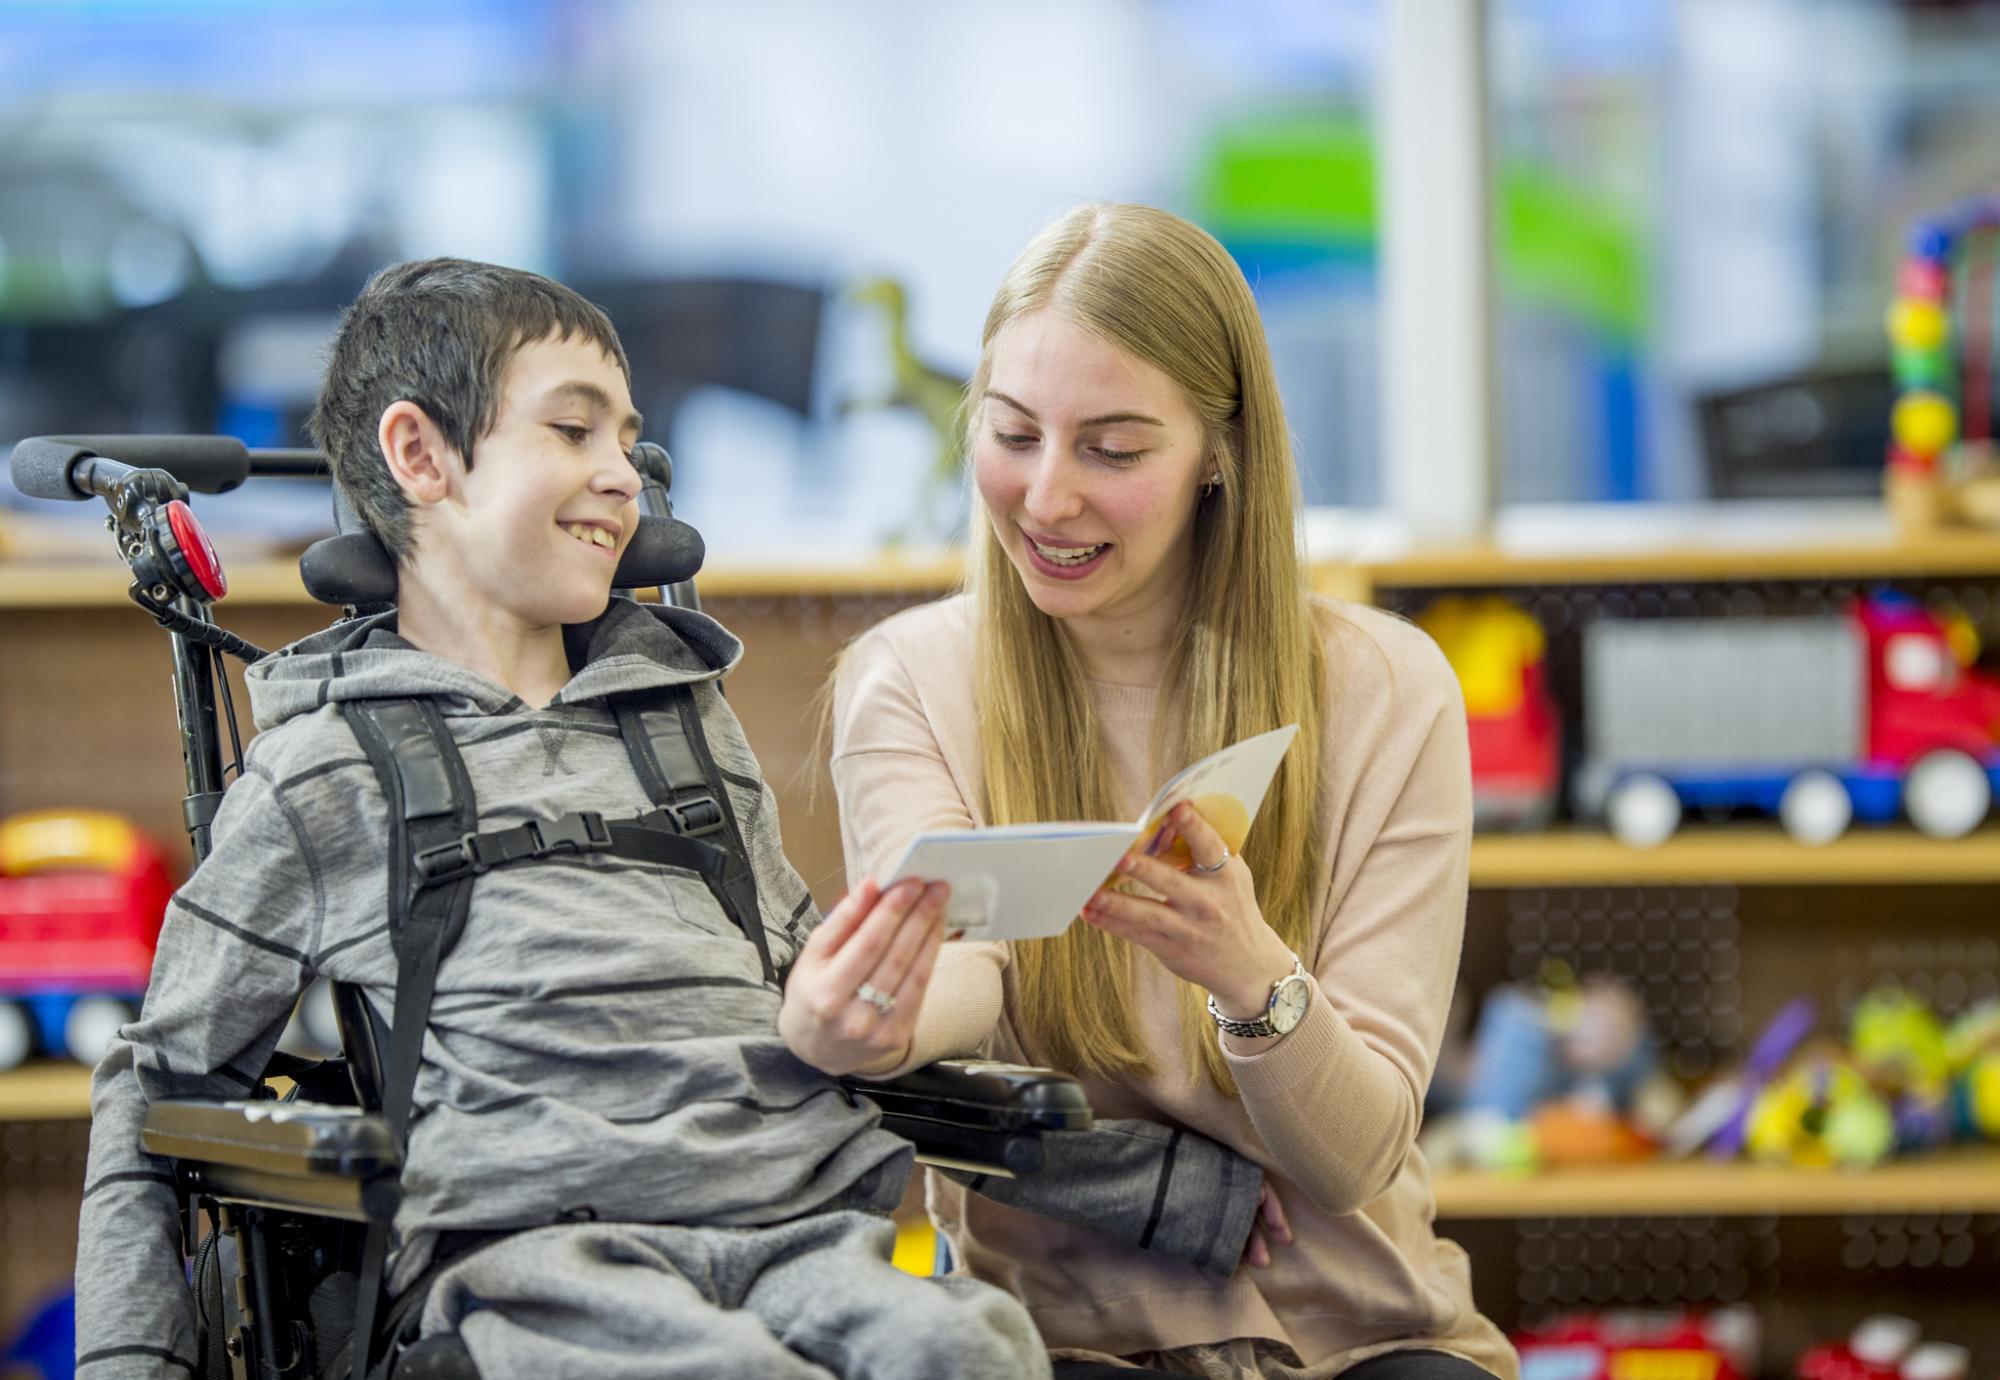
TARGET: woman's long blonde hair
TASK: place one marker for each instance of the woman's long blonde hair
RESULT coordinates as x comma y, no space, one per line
1246,658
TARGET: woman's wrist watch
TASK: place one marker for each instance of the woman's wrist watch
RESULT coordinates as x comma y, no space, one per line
1290,996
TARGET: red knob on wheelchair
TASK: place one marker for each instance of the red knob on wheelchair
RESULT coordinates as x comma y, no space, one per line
191,556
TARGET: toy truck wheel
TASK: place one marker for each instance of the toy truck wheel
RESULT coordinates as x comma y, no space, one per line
1947,794
1816,808
1643,811
91,1024
17,1034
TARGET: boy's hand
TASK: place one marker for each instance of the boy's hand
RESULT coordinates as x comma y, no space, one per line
856,987
1267,1228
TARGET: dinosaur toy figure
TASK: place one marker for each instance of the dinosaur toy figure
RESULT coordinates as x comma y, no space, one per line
935,394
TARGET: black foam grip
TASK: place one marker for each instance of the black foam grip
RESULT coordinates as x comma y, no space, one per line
41,466
206,464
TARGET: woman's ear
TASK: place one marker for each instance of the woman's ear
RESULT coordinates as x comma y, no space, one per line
420,460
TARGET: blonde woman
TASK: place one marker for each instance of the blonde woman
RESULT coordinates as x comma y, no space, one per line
1258,1030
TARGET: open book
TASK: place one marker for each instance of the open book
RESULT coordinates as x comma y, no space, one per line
1028,881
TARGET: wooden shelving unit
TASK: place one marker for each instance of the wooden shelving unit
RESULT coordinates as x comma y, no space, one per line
1965,1180
101,584
1742,854
1947,554
91,583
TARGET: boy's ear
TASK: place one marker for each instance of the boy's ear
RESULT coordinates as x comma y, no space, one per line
420,460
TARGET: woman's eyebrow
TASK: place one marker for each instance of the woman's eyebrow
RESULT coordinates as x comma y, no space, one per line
1107,419
590,395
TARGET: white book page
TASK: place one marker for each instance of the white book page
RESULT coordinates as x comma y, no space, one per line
1028,881
1226,787
1018,881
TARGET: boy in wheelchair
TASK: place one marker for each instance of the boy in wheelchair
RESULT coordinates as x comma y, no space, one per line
519,818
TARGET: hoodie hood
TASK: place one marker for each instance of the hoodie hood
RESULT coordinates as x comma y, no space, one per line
630,647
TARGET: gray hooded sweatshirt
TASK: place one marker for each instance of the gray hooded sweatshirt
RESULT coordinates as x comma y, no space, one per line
602,1035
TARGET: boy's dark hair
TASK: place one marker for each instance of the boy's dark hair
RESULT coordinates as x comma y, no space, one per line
439,333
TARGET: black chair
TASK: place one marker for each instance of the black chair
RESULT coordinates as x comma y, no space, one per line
288,1181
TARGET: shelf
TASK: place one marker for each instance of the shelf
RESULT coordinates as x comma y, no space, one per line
45,1092
92,583
1952,553
97,584
1741,854
1964,1180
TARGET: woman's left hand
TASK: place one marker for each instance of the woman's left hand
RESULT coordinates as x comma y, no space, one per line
1207,928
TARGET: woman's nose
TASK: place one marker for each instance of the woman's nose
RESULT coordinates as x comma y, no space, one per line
1052,497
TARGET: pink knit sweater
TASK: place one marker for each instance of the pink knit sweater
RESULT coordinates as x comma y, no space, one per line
1330,1111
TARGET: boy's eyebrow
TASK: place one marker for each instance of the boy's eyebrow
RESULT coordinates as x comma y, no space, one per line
1106,420
583,391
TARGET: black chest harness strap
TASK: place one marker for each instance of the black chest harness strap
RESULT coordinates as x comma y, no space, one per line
436,851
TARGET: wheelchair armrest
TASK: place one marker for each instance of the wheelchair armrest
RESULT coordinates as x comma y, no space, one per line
297,1156
976,1114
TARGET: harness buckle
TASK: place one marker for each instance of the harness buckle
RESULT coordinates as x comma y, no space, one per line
581,831
446,862
696,818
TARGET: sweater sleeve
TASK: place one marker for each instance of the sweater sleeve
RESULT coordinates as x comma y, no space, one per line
1157,1188
1338,1101
232,958
892,783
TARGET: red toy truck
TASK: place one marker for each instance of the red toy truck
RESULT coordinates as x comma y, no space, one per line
82,894
1819,721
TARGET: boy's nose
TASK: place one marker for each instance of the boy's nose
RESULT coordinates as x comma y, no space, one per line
618,476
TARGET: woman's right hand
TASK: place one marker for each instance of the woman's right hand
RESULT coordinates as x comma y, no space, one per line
857,985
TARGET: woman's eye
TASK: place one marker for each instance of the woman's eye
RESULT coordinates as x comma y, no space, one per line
1118,457
1013,440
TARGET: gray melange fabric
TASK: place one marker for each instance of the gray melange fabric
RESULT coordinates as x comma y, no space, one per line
601,1037
1160,1188
807,1300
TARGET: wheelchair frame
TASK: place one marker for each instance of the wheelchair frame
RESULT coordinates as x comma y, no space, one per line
272,1174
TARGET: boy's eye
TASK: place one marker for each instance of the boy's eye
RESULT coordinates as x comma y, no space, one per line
575,435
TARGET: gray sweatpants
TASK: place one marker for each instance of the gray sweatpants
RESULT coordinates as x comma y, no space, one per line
815,1297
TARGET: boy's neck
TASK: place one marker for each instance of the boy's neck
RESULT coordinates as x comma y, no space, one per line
529,662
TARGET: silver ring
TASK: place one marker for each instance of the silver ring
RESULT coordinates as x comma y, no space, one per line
882,1001
1220,862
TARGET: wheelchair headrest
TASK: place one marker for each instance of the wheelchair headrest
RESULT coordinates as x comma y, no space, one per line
354,568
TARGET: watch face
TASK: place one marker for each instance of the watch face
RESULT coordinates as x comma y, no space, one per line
1289,1003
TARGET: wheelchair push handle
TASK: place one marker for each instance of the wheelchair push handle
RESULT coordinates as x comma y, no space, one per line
73,468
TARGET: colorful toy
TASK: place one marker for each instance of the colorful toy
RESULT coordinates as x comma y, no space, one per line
1972,1051
1942,463
45,1346
1821,1114
1819,721
82,895
1630,1344
1516,738
1566,1072
1899,1046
